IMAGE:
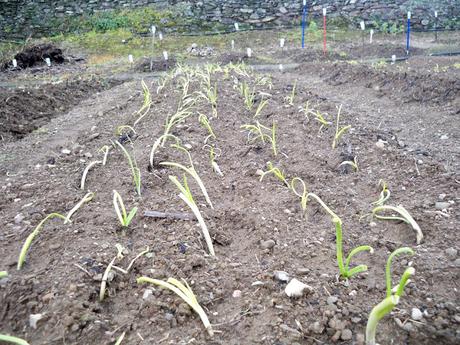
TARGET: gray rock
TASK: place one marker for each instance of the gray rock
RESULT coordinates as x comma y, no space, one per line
346,334
268,244
416,314
442,205
317,327
451,253
281,276
18,218
332,299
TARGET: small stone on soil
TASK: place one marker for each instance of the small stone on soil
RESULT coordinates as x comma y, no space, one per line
331,299
33,319
18,218
442,205
346,334
65,151
416,314
268,244
296,288
281,276
236,294
451,253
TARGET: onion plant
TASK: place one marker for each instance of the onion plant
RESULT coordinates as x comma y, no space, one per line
277,172
187,197
204,121
120,338
353,163
105,150
13,340
172,121
384,194
191,171
391,300
210,94
135,171
85,173
321,119
290,99
262,104
404,216
146,104
185,293
212,158
32,235
258,130
124,129
124,217
87,198
303,194
339,132
344,268
157,143
3,274
248,95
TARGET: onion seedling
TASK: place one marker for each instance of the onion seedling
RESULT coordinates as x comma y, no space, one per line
339,132
290,99
387,305
248,95
187,197
320,118
405,217
85,172
184,292
277,172
120,338
210,95
124,218
13,340
172,121
126,271
204,121
212,158
136,172
32,235
104,279
257,130
87,198
353,163
384,194
344,269
105,150
303,195
147,103
191,171
157,143
3,274
262,104
120,130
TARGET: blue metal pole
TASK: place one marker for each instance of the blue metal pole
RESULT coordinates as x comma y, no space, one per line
304,22
408,34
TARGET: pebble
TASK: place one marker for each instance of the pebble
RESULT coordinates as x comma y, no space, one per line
444,137
296,288
281,276
65,151
33,319
332,300
236,294
416,314
88,155
317,327
268,244
442,205
147,293
451,253
457,262
380,144
303,271
346,334
18,218
360,339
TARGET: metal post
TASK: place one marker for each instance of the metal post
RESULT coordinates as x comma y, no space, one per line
304,22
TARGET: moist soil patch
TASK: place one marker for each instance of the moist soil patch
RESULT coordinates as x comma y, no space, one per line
36,55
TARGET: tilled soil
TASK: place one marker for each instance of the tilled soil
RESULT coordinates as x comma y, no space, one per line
257,227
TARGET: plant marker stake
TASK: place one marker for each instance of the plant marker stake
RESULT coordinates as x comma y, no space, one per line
408,33
324,32
363,27
165,55
130,60
237,27
371,34
393,59
160,36
233,44
436,26
153,29
48,62
249,52
282,41
15,63
304,21
281,68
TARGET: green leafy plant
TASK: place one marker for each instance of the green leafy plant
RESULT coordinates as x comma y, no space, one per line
187,197
290,99
13,340
32,235
204,121
388,304
344,269
384,194
404,216
124,217
135,171
191,171
87,198
339,132
277,172
184,292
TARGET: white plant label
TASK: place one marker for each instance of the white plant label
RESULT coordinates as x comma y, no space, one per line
160,36
324,12
233,44
153,29
281,68
165,55
237,27
393,59
130,58
249,52
408,15
436,14
363,25
282,41
371,34
305,2
15,63
48,62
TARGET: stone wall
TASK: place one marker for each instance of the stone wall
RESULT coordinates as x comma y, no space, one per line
35,16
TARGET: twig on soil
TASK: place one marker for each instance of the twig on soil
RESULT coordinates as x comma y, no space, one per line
416,167
83,269
173,215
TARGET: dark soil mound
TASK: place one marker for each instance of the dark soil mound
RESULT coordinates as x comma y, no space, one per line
157,65
36,55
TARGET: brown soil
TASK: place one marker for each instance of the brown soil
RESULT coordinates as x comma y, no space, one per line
36,55
157,65
62,276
